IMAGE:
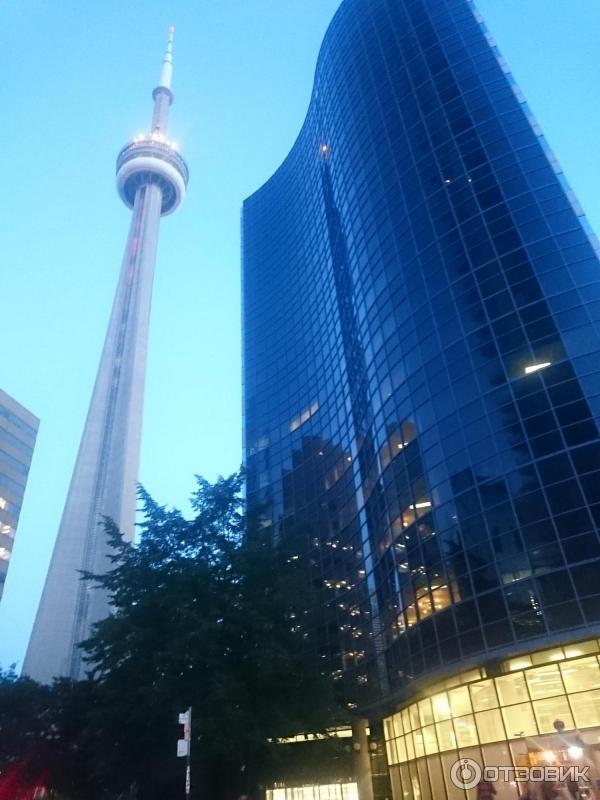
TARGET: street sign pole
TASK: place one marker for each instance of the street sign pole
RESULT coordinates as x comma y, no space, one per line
188,770
184,748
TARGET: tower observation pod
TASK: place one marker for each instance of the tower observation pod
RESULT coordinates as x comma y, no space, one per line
151,180
151,159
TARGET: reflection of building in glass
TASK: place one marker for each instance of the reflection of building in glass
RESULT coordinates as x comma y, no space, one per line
18,431
421,350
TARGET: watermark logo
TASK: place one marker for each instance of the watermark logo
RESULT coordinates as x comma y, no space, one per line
466,773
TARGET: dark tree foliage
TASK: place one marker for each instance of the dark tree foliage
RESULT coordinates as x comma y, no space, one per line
207,614
45,738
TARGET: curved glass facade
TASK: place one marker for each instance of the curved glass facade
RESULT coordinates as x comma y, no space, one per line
421,357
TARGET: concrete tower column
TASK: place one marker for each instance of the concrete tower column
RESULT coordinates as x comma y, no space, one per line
151,180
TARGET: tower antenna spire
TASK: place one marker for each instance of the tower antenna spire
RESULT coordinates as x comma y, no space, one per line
163,92
166,72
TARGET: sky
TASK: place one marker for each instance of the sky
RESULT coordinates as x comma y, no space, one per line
76,86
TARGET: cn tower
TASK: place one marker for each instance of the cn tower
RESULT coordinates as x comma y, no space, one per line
151,180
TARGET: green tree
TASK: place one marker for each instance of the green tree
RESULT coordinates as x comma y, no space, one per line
208,614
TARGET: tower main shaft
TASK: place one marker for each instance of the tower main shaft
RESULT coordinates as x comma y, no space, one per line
151,180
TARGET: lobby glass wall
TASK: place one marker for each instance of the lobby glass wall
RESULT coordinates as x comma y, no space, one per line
505,720
329,791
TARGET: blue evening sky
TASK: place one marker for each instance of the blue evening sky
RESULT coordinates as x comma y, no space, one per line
77,83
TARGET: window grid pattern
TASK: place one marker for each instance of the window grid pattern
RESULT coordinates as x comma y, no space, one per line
519,703
326,791
419,273
17,439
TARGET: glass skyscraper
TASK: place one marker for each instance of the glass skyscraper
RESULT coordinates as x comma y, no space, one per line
18,432
422,394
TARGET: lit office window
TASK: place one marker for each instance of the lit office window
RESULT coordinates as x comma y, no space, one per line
489,726
483,695
581,674
586,708
460,702
511,689
519,720
466,731
544,682
547,711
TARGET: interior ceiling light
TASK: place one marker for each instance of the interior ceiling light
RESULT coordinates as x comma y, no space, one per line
536,367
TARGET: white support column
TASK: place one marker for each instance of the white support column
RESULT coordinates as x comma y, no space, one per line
362,759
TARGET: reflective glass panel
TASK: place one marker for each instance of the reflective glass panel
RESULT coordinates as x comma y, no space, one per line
489,725
419,743
580,649
551,709
397,725
586,708
544,656
581,674
401,749
445,734
544,682
519,720
430,739
390,747
483,695
441,707
465,730
460,702
425,712
415,722
511,689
